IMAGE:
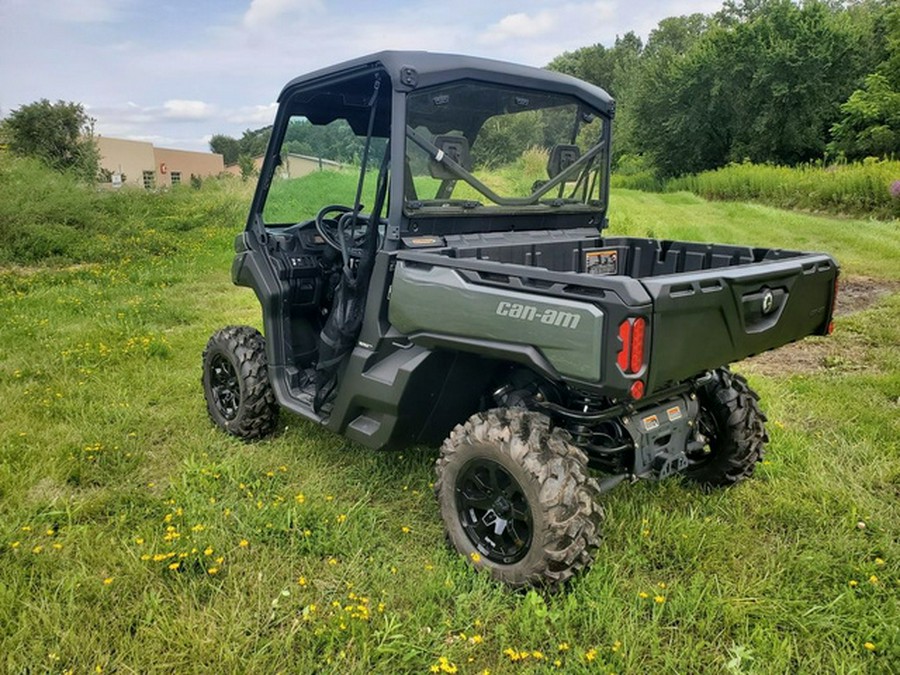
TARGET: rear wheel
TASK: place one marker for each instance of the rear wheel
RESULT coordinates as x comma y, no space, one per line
734,427
239,398
516,498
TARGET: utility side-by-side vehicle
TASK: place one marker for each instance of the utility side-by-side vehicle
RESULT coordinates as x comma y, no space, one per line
428,243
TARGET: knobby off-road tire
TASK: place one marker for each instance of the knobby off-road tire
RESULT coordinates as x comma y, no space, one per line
734,424
516,498
239,397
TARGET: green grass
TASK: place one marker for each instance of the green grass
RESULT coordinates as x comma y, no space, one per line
330,558
869,189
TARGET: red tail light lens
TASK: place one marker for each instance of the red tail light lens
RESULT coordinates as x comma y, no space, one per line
623,358
632,335
637,344
830,329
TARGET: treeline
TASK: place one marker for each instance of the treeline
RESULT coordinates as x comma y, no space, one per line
769,81
335,141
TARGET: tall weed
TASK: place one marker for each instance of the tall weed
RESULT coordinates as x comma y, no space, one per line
861,189
50,217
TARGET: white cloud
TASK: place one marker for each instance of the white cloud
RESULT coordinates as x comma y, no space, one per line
572,20
178,109
521,25
265,12
256,114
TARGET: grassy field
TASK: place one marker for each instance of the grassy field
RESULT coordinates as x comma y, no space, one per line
868,189
134,537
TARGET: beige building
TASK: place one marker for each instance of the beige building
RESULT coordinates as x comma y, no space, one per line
140,164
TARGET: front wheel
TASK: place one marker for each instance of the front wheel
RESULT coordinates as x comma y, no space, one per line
734,428
239,398
516,498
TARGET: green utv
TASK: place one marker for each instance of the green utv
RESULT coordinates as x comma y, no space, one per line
452,279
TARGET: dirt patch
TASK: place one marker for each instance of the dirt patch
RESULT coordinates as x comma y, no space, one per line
858,293
814,355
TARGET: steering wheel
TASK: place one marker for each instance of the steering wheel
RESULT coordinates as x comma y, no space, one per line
331,228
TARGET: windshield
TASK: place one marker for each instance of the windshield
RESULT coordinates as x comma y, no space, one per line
472,145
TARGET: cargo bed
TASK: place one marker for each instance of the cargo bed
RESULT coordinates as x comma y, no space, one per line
706,304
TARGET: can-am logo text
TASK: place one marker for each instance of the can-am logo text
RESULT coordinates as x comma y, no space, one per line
551,317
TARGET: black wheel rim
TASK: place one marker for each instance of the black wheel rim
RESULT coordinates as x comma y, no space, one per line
493,511
224,385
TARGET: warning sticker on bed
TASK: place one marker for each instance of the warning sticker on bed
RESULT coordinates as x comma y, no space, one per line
601,263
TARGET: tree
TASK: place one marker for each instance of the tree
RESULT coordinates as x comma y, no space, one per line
764,81
245,162
60,134
870,122
226,146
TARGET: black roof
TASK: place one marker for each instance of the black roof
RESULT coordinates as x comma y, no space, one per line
409,70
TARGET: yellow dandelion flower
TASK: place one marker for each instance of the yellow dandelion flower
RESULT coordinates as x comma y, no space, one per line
243,543
853,583
212,571
342,518
37,549
475,556
873,579
220,560
870,646
590,655
174,566
50,532
299,498
26,528
208,550
406,529
332,561
537,655
107,581
198,528
661,584
14,544
58,546
879,562
616,646
301,581
563,646
643,596
139,541
476,639
659,599
146,556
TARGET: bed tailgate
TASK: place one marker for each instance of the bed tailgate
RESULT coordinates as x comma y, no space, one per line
702,320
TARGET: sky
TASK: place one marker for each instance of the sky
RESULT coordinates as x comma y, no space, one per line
175,73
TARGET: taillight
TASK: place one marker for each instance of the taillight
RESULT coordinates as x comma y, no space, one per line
632,334
625,336
631,357
637,344
830,329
